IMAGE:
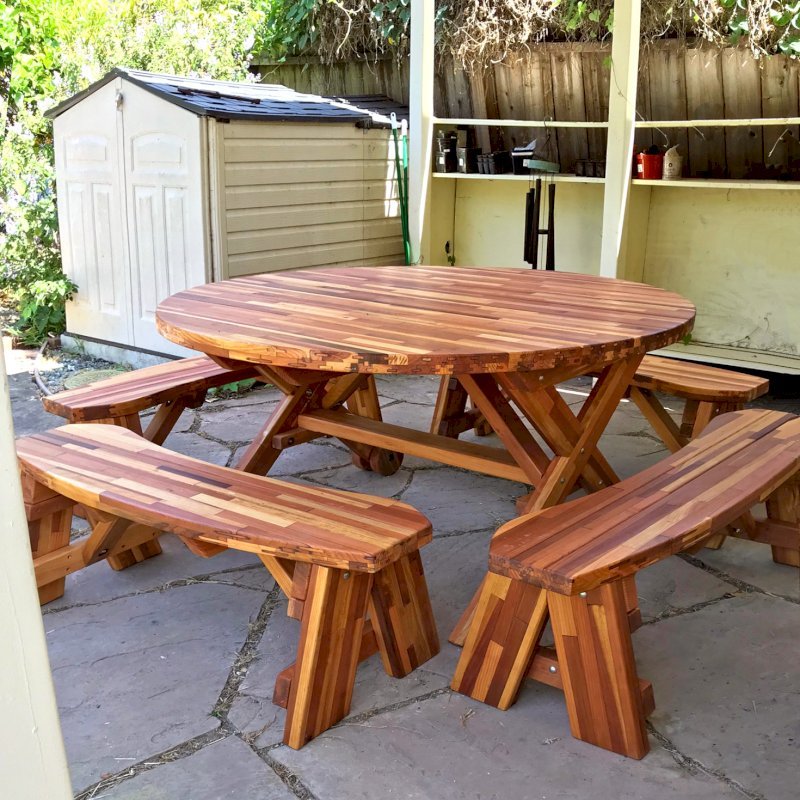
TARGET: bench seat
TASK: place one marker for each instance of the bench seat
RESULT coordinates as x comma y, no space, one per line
571,562
174,386
337,555
707,390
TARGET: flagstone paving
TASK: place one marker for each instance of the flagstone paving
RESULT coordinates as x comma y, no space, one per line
164,672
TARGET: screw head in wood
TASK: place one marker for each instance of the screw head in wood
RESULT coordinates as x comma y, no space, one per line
553,669
346,576
583,594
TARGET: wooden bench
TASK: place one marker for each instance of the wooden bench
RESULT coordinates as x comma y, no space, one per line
338,556
571,563
708,392
173,386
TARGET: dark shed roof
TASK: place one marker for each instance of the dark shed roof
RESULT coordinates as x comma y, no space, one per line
232,100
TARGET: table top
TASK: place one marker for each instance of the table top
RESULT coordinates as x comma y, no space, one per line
424,320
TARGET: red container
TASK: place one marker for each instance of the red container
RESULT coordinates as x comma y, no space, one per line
650,167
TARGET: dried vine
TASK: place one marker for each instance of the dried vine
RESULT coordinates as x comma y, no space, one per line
475,33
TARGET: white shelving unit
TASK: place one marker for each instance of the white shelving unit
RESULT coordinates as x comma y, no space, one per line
731,250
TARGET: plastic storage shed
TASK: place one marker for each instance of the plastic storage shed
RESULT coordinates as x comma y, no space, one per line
165,183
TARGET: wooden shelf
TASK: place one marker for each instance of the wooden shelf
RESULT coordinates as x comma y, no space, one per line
546,176
719,123
721,183
519,123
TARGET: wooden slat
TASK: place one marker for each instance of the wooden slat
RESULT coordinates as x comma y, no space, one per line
742,458
489,460
668,92
113,471
704,100
569,104
741,75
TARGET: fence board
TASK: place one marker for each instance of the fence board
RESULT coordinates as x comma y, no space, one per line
596,85
667,80
643,137
741,83
569,103
779,98
704,100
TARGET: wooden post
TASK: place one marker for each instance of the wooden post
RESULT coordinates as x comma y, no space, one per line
33,761
420,128
621,126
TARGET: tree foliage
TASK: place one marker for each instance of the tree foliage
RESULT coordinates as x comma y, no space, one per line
50,49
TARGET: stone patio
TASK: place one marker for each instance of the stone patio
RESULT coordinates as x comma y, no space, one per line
164,672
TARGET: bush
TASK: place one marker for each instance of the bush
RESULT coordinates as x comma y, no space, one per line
50,49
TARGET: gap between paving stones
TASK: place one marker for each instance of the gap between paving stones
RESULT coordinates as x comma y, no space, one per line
742,586
692,765
175,584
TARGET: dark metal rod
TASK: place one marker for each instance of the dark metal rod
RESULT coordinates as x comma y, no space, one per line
537,210
529,229
551,227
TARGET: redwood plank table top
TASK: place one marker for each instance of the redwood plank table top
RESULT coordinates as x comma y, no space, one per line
424,320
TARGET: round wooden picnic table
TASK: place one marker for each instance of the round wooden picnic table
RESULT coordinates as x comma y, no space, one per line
504,338
507,335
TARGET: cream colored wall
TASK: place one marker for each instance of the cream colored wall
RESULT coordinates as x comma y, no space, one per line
302,195
734,253
490,223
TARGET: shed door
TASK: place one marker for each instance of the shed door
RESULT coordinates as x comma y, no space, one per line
91,217
165,208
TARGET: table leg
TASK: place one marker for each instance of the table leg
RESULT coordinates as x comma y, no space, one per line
572,438
586,428
364,402
307,391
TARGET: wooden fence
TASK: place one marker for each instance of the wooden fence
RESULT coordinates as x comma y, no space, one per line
571,82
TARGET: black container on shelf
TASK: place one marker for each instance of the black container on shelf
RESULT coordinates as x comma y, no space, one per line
518,156
467,159
500,162
445,159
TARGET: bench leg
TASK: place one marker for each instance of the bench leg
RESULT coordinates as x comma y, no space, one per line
48,534
327,654
595,655
783,506
508,622
163,421
137,554
402,617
